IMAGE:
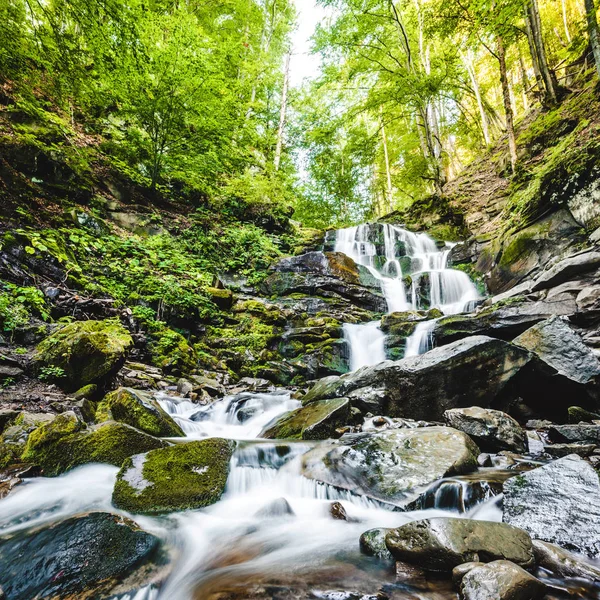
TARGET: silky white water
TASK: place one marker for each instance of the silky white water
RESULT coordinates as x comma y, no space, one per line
449,290
270,521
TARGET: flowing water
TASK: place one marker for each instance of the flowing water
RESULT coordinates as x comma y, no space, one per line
414,275
272,524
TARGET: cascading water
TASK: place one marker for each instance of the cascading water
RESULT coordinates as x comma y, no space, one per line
272,522
366,342
411,269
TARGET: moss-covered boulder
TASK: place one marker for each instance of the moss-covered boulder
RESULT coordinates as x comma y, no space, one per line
180,477
316,421
86,352
66,443
138,409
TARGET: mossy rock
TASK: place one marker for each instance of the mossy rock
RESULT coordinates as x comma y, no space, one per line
66,443
221,297
86,392
184,476
315,421
138,409
87,351
171,352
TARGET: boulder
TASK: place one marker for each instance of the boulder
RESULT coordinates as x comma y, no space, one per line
372,543
576,414
491,430
567,269
327,274
575,433
66,443
500,580
563,563
138,409
441,544
180,477
459,572
388,465
83,555
87,351
562,349
423,387
315,421
557,503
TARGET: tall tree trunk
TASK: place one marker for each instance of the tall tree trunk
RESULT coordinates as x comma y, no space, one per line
485,126
388,174
510,124
282,114
534,55
524,80
540,49
565,20
592,23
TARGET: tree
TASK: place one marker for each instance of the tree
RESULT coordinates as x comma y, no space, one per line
593,32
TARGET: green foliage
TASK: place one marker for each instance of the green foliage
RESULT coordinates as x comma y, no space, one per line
51,373
19,304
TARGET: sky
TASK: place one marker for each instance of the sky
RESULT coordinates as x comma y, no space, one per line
304,65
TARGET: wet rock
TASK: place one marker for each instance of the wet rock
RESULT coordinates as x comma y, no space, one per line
576,414
440,544
315,421
581,432
66,443
184,387
278,508
500,580
87,352
560,450
491,430
567,269
188,475
561,348
138,409
372,543
423,387
390,464
557,503
86,392
338,512
459,572
563,563
74,557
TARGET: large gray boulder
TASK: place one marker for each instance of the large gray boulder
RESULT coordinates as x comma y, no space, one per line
390,464
563,563
557,503
500,580
562,349
567,269
440,544
491,430
473,371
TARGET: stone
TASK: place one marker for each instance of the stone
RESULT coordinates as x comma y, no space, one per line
575,433
74,557
315,421
140,410
66,443
557,503
87,351
86,392
338,512
501,580
459,572
588,298
184,387
563,563
567,269
424,387
560,450
576,414
491,430
441,544
372,543
185,476
391,464
561,348
278,508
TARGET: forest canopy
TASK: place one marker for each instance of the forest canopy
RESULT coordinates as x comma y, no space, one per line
193,96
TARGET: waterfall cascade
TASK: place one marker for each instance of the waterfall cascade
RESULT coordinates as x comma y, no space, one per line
414,275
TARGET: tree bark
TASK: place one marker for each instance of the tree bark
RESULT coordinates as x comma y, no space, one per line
540,49
388,175
510,125
534,55
565,21
485,126
594,34
282,114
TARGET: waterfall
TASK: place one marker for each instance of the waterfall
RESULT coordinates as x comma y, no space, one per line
414,275
366,342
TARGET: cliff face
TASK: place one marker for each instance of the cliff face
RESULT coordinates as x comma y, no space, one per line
515,225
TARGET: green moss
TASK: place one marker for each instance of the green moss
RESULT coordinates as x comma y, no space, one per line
87,351
184,476
139,410
86,392
65,443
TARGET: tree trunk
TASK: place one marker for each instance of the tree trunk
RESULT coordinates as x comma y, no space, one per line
540,48
592,23
524,81
388,175
282,114
510,125
565,21
534,55
485,127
